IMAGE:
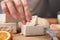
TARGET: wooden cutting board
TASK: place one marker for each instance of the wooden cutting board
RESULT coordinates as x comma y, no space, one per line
21,37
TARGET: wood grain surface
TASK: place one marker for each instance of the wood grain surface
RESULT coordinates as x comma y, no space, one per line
52,20
21,37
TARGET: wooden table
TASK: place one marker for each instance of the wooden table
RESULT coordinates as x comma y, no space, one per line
21,37
45,37
52,20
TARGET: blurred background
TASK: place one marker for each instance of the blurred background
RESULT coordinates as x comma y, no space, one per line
52,5
0,7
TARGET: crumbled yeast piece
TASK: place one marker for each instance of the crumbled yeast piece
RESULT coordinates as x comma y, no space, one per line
11,27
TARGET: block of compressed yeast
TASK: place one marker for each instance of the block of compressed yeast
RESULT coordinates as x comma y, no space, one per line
10,19
33,30
43,22
35,21
2,18
11,27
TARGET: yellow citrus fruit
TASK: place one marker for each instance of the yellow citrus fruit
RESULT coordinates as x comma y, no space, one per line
5,35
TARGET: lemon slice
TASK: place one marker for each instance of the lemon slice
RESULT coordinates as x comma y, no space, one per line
4,35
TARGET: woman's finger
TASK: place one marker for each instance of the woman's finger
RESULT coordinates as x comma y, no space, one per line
4,8
19,7
11,8
26,9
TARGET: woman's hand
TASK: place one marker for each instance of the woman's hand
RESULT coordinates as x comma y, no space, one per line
19,9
